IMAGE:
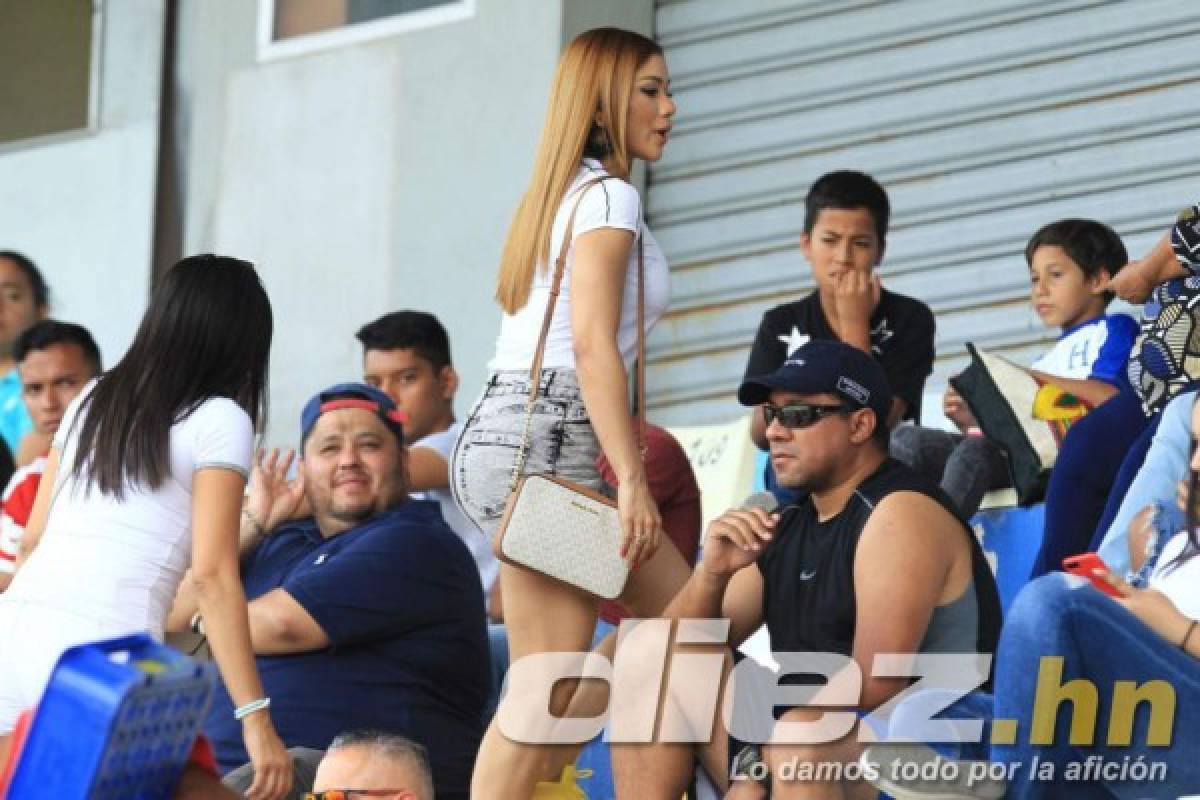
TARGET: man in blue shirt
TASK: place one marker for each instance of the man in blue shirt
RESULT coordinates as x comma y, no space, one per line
369,614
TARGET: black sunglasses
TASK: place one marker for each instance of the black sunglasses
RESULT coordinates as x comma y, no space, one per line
800,415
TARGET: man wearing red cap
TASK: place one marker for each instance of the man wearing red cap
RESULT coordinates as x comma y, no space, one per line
367,615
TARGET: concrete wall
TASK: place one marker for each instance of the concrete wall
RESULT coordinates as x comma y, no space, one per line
368,177
81,205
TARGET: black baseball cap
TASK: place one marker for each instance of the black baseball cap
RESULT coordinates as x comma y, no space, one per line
826,366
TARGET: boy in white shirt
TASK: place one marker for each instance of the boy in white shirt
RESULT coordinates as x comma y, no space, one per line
406,354
1069,261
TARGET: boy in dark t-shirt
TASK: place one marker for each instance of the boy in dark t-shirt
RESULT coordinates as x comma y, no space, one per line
845,230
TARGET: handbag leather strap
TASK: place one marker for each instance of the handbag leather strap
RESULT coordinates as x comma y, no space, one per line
535,370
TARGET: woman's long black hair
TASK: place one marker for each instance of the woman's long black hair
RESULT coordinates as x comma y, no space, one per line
206,333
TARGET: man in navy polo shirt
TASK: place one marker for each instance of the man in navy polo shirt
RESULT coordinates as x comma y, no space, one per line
368,615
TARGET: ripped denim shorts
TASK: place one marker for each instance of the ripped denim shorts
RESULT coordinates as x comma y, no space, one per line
561,438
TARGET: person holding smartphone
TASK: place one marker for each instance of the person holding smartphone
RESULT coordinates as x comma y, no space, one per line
1121,634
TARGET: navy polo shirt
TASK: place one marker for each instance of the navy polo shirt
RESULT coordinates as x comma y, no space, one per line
399,598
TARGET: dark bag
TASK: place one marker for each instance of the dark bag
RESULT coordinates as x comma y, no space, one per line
1025,416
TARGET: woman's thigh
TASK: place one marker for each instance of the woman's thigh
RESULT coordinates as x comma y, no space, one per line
31,640
544,615
654,584
27,656
12,698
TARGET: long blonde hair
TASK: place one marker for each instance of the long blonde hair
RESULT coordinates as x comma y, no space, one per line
594,75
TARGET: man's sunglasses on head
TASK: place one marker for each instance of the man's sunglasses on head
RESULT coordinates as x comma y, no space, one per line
800,415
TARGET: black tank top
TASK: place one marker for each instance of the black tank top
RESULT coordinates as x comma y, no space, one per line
808,570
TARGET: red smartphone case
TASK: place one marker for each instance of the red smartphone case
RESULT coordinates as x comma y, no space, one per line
1083,565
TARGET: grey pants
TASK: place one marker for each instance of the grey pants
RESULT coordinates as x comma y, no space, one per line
966,466
561,438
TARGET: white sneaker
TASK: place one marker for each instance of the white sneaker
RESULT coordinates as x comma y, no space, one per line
951,779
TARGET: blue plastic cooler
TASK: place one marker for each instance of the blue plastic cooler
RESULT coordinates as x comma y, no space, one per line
117,720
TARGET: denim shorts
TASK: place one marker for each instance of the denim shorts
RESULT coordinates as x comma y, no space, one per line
561,442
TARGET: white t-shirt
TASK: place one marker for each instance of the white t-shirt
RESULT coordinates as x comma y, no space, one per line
1095,350
610,204
120,562
442,443
1180,583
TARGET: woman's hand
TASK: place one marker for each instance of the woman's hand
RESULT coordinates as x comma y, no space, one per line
270,759
641,526
1133,283
1150,606
272,499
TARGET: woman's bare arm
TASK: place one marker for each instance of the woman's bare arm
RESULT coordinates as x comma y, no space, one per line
215,579
41,507
598,272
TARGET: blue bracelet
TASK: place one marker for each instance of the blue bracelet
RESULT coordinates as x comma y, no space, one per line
241,712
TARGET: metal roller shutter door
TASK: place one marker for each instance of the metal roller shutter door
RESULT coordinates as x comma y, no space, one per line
984,120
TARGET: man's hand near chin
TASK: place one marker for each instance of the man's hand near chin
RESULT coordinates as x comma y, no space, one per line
735,539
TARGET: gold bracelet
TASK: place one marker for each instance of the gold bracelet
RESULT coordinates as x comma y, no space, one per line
1188,635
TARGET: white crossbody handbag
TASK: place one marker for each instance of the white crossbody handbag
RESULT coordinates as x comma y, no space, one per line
553,526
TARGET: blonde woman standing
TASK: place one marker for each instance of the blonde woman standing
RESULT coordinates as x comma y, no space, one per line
610,104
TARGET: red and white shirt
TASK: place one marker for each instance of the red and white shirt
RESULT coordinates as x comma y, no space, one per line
15,507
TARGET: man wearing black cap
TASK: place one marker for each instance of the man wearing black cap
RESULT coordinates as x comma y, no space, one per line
872,561
370,614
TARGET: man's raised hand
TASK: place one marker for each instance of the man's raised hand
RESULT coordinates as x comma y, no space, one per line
274,499
736,538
